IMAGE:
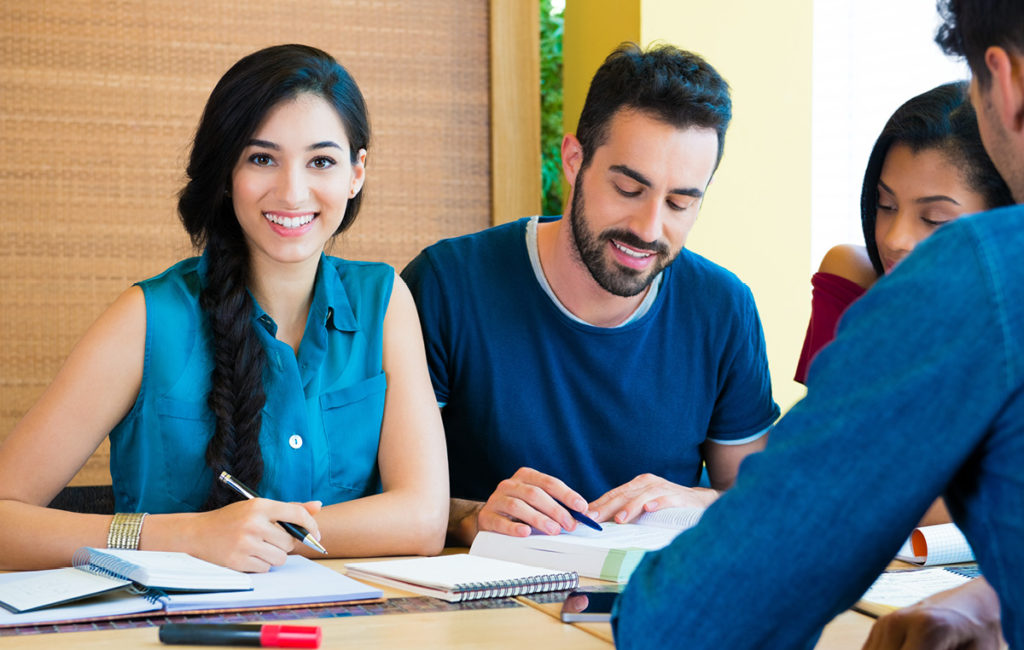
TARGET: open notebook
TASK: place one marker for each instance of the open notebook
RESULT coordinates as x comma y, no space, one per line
95,571
896,589
611,554
463,577
298,582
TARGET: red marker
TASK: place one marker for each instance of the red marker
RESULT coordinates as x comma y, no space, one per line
268,636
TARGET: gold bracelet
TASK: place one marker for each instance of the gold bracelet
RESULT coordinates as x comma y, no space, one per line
125,530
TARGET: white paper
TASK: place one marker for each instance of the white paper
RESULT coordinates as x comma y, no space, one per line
26,591
622,536
298,581
114,603
902,588
677,518
945,544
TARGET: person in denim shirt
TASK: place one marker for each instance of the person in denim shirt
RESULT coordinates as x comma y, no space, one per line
301,374
920,394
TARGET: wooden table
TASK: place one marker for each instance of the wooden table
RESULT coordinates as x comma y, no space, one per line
848,631
530,627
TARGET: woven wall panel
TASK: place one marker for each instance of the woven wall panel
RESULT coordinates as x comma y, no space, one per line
98,102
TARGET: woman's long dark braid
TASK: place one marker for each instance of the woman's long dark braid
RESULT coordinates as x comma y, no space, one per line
236,395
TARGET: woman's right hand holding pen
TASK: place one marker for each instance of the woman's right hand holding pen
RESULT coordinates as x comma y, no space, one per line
244,536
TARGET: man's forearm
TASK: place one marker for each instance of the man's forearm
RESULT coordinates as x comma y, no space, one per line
462,521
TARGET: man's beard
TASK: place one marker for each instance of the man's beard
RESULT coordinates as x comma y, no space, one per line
1001,152
614,278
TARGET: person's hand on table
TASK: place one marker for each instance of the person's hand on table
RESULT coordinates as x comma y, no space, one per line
528,499
576,603
647,493
965,617
245,535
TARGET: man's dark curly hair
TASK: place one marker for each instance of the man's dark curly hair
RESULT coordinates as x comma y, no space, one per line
675,86
969,27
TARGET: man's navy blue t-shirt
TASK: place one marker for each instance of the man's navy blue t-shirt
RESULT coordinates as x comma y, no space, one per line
525,385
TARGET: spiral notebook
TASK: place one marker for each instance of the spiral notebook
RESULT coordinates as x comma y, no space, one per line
299,582
463,577
939,544
896,589
95,571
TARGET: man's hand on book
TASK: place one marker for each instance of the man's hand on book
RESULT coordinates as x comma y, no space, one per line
965,617
647,493
245,535
528,499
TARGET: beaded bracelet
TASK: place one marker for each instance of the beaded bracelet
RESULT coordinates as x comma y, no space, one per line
125,530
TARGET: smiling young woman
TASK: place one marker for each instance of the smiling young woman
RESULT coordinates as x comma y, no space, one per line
293,181
927,168
301,374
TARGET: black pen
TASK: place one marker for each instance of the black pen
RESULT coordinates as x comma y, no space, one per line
296,531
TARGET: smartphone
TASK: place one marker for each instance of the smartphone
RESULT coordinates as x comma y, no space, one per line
588,606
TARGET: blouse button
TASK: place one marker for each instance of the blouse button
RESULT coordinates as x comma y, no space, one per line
295,441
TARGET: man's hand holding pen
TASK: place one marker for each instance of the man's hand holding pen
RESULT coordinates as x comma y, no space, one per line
530,499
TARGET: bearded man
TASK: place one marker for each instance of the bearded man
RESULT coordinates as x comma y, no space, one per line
589,361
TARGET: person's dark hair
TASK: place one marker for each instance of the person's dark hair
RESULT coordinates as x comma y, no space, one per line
236,107
677,87
943,119
969,27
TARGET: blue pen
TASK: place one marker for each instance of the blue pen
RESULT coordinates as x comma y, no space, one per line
580,517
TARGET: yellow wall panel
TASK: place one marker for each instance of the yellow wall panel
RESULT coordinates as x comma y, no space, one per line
756,217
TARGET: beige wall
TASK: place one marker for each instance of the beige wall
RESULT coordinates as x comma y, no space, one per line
756,217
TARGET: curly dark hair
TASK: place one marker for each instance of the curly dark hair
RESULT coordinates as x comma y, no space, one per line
675,86
969,27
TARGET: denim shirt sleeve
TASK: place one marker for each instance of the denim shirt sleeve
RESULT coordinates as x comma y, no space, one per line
918,375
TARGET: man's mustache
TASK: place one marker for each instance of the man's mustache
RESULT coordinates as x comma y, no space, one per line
631,240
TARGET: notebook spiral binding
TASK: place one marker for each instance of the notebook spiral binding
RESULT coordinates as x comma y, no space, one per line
520,587
970,571
108,565
154,595
100,563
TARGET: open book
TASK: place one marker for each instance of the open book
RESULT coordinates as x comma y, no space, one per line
941,544
463,577
611,554
896,589
298,582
